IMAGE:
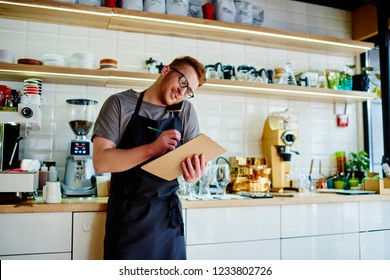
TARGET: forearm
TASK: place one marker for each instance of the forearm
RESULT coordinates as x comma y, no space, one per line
117,160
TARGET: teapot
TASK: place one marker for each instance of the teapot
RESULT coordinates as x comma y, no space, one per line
151,65
245,73
212,71
262,76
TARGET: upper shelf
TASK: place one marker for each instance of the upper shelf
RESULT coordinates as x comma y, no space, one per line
163,24
66,75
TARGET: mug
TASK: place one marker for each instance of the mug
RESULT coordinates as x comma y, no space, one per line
52,192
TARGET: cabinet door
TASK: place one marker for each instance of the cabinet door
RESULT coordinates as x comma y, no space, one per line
88,235
374,215
217,225
35,233
326,247
54,256
319,219
375,245
254,250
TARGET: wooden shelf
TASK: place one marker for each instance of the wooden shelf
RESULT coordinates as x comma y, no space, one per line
77,76
163,24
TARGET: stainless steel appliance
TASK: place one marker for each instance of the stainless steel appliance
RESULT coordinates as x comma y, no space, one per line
79,179
25,117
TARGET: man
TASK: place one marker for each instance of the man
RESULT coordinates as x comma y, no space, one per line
144,219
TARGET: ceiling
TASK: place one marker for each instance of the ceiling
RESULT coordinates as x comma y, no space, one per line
347,5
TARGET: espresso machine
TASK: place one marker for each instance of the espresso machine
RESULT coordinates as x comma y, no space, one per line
79,179
279,135
16,183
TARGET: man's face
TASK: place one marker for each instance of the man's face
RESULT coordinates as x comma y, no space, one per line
177,84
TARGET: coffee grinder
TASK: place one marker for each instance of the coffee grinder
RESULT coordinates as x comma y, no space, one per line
279,134
79,179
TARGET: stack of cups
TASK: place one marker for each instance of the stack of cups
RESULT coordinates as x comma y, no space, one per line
32,92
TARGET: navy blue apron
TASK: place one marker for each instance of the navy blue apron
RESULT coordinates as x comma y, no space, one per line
144,220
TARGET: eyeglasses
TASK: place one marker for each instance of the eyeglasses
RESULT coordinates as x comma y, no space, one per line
183,83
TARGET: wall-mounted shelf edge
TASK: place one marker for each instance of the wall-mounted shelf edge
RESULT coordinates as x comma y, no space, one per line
170,25
124,79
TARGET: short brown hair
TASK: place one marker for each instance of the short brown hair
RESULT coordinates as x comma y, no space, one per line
198,67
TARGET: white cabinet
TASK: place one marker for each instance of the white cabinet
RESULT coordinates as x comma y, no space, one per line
375,245
88,235
249,250
375,230
35,235
319,219
374,215
233,233
320,231
325,247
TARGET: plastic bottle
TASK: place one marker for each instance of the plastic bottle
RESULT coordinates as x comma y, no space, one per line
43,177
52,174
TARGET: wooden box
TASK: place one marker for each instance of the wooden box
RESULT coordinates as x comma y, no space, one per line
380,186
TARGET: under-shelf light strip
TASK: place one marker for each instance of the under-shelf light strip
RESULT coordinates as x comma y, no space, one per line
217,86
288,91
204,26
51,74
252,32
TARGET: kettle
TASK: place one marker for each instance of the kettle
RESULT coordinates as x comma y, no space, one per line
228,71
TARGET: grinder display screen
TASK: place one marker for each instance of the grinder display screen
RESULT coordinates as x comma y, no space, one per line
79,148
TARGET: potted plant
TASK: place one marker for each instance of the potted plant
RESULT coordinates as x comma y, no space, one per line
361,81
358,164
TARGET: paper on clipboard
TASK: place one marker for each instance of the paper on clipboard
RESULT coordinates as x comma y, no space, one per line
169,167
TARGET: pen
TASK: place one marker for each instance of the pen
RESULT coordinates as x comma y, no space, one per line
159,130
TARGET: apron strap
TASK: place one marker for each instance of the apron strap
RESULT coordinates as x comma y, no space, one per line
139,102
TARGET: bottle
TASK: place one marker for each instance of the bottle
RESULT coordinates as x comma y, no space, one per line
52,174
43,177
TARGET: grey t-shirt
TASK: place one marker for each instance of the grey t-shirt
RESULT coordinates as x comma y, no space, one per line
117,110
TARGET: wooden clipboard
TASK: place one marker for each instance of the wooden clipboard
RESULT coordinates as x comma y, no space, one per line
169,167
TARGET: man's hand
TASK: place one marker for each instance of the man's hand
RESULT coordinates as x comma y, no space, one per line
166,141
193,168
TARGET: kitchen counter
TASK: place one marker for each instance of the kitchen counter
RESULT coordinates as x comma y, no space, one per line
99,204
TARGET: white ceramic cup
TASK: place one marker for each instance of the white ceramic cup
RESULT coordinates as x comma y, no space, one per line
103,185
52,192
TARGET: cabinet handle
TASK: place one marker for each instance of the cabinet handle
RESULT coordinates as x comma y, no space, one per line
87,226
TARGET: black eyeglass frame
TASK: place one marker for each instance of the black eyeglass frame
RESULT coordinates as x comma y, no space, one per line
188,89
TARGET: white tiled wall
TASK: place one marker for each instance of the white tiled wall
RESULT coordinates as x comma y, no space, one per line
233,120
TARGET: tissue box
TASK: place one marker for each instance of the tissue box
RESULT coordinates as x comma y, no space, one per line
380,186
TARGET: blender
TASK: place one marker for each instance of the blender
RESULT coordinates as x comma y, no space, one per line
79,178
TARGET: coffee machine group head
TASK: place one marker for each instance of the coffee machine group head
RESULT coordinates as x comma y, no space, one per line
279,135
79,179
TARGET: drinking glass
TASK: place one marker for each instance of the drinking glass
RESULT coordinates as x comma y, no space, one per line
222,178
